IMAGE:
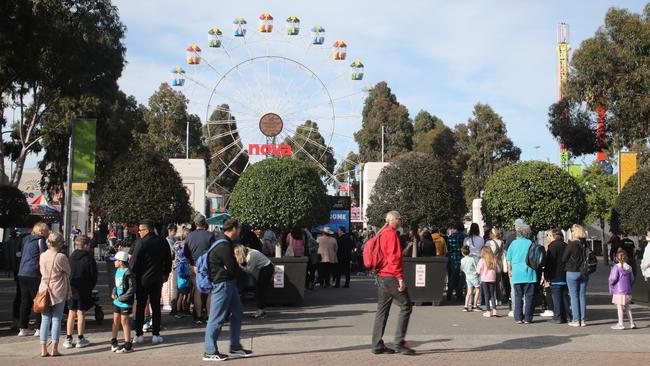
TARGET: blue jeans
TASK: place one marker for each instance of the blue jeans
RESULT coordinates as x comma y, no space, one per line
225,301
577,284
51,319
524,300
560,296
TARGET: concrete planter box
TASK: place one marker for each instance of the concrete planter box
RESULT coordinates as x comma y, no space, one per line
291,289
425,278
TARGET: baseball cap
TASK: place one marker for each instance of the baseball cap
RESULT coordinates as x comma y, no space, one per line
520,223
122,256
199,220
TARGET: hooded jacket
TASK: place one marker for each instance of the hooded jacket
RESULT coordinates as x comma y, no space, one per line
83,276
620,279
33,246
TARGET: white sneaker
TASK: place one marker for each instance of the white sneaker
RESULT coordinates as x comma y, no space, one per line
547,313
68,343
618,327
37,333
511,314
25,333
583,323
82,342
156,339
139,340
574,324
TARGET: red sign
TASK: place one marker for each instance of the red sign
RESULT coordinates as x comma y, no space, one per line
269,149
346,188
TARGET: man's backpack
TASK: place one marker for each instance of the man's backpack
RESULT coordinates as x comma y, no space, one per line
203,282
373,259
536,257
183,278
589,261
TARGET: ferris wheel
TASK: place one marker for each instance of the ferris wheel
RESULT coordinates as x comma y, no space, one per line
273,92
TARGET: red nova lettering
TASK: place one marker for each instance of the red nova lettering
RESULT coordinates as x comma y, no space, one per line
268,149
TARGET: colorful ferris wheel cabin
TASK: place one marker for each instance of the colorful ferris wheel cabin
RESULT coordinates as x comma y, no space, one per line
356,70
178,76
317,35
239,27
292,25
266,23
214,37
340,50
193,54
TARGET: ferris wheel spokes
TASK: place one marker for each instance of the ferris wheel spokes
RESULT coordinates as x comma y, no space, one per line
323,168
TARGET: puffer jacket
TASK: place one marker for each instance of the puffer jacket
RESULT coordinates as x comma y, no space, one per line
620,279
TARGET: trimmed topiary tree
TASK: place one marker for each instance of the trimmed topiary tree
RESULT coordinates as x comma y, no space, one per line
281,194
423,189
13,207
542,194
633,204
142,185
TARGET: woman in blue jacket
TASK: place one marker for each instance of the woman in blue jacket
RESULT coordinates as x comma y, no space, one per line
29,274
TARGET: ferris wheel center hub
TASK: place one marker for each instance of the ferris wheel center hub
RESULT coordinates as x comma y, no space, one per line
271,124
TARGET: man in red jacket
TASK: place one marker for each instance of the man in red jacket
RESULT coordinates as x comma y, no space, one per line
391,287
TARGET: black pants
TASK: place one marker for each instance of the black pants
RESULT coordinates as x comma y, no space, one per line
325,273
488,290
454,282
28,290
343,270
17,299
263,284
387,293
143,293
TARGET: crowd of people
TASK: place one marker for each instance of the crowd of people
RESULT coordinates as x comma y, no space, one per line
205,274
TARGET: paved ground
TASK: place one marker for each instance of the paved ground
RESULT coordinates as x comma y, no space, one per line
334,325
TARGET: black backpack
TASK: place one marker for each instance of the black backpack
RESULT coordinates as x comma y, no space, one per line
589,260
536,257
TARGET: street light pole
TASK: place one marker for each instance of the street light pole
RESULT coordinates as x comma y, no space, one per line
382,143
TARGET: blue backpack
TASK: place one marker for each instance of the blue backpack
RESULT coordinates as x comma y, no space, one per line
203,282
183,279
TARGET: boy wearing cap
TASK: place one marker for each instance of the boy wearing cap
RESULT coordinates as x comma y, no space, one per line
123,294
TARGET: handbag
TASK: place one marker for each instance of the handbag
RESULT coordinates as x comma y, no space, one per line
42,300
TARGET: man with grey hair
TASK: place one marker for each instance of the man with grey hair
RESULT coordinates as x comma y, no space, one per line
391,287
522,277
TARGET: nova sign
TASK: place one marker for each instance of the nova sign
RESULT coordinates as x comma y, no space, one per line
269,149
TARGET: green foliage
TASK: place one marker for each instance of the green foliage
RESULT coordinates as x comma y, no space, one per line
13,207
382,109
51,50
280,193
611,69
542,194
487,148
227,159
166,118
432,136
142,185
308,144
633,204
574,124
421,189
600,192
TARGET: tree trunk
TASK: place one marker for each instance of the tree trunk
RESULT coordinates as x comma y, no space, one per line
602,241
17,174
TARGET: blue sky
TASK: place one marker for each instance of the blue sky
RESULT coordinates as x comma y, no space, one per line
440,56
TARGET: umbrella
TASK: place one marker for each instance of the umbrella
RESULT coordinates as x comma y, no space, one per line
218,219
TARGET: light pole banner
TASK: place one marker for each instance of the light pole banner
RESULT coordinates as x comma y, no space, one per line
627,166
85,143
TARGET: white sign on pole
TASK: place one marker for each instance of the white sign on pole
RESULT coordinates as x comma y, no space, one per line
278,277
420,275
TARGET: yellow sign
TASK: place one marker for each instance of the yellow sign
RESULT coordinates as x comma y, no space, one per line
627,167
79,186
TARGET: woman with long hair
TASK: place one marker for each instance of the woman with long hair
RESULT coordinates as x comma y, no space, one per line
260,267
573,258
474,240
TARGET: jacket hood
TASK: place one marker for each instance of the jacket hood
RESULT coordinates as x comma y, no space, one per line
436,235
